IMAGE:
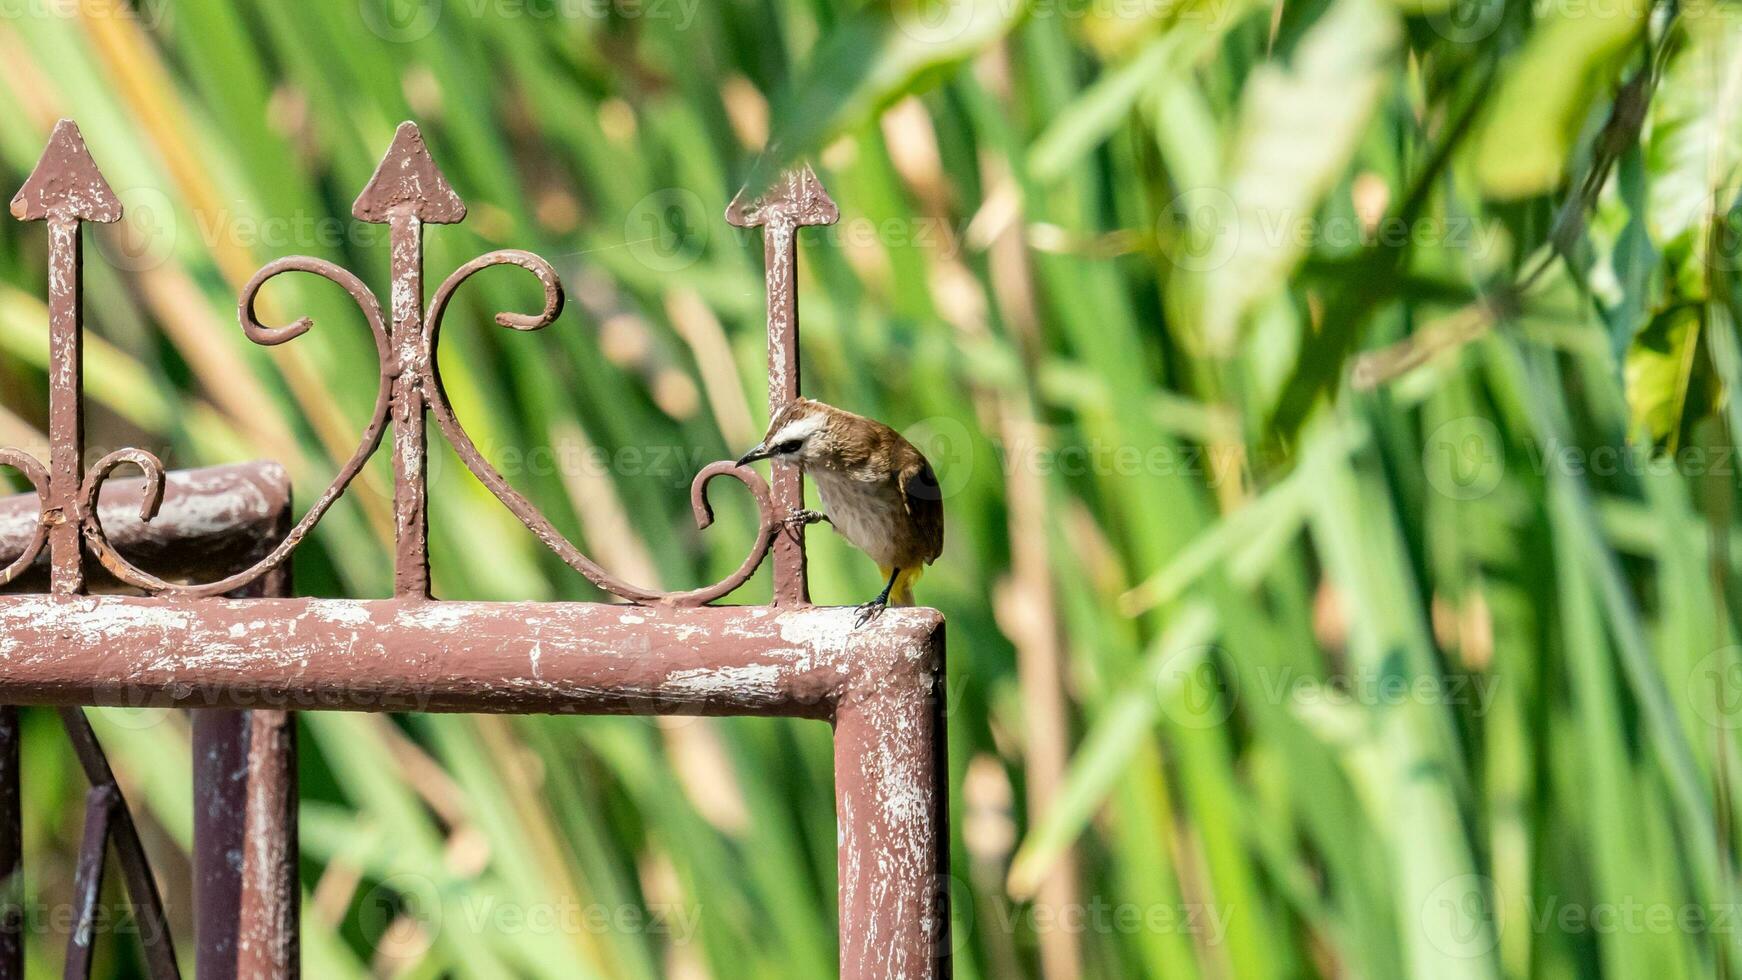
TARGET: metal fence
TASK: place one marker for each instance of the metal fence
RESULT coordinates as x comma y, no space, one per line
214,627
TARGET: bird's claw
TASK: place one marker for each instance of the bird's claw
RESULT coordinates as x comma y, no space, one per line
800,518
869,611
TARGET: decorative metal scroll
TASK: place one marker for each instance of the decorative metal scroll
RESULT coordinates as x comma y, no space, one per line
406,192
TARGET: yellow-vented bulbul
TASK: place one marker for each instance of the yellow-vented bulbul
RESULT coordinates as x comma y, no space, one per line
876,488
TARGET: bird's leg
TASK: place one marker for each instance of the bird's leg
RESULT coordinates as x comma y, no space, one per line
872,609
799,518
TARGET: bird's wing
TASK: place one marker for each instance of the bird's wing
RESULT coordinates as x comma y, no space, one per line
925,505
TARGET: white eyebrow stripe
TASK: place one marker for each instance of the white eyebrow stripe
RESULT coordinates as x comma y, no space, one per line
799,429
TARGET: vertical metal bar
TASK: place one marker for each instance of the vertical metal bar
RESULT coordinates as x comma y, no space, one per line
410,442
268,946
268,943
64,189
154,936
246,892
220,749
66,426
406,192
101,804
780,255
891,798
11,851
795,200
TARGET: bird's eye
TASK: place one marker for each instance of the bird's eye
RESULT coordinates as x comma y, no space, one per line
788,447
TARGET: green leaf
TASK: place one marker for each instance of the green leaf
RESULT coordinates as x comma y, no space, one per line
1299,125
1695,151
1548,92
871,60
1659,371
1110,746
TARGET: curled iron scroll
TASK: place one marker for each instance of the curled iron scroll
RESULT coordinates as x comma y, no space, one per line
152,467
522,508
33,471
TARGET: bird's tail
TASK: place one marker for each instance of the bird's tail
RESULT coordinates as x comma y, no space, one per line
902,593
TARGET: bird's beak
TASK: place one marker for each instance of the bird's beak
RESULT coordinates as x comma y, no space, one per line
760,451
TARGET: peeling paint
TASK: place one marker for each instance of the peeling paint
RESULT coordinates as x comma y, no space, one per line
878,684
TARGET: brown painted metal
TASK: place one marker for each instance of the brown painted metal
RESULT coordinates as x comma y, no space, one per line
119,831
880,684
185,644
65,189
246,894
406,192
267,945
796,200
220,751
100,806
488,657
210,521
244,917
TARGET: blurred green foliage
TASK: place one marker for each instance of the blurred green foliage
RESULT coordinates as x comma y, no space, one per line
1330,399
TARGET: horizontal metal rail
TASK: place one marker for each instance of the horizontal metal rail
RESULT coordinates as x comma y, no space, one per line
880,685
488,657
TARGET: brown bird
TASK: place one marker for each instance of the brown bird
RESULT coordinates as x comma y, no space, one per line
878,490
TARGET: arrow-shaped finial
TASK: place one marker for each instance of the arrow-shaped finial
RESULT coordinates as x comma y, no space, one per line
66,182
65,189
796,197
408,182
407,192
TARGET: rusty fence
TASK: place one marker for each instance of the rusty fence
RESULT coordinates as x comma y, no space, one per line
213,626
